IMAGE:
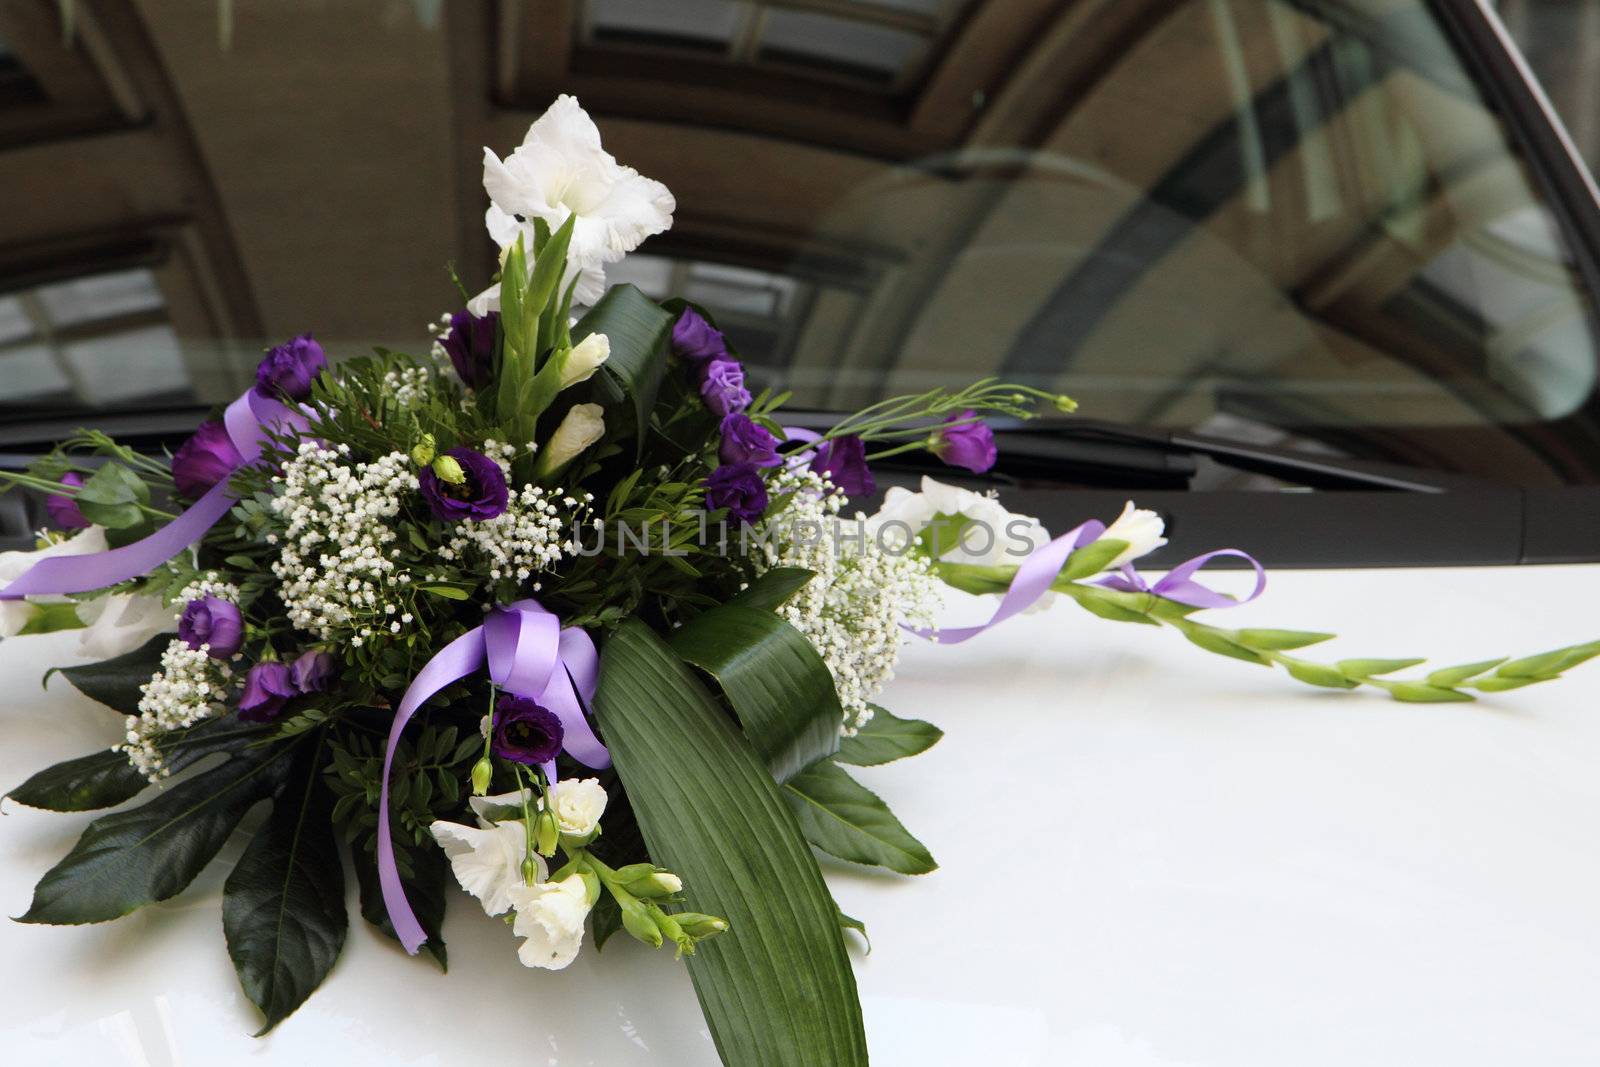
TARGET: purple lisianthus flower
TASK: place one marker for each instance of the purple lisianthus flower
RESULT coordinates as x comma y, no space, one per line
290,368
267,688
722,387
969,444
212,622
312,672
470,345
482,495
525,732
739,488
844,461
63,508
206,458
695,339
746,441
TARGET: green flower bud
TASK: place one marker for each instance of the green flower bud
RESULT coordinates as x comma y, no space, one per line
636,919
448,470
546,833
530,871
654,883
700,926
671,930
422,451
482,771
1066,404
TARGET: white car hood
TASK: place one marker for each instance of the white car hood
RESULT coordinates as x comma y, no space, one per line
1151,856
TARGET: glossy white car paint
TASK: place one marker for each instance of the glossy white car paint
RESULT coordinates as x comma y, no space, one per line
1153,857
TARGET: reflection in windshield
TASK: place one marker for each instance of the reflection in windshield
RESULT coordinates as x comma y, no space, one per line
1293,222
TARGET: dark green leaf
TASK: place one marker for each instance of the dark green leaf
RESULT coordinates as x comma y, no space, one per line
858,926
132,858
886,738
637,329
848,820
777,989
106,778
425,886
283,906
117,683
774,678
111,497
773,588
605,919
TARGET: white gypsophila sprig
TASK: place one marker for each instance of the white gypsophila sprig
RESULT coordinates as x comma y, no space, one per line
407,386
335,561
208,584
863,590
530,536
189,687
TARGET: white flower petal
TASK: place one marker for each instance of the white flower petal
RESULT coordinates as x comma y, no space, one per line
1142,529
487,863
121,622
550,916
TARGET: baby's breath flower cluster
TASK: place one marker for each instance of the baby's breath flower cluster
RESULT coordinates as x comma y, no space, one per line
852,610
190,686
521,541
335,562
208,584
408,386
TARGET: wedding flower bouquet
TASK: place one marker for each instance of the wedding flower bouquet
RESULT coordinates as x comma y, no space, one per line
560,612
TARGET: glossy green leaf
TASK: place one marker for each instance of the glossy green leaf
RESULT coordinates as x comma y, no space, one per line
637,329
426,885
132,858
118,683
848,820
774,678
104,779
886,738
283,904
773,588
777,989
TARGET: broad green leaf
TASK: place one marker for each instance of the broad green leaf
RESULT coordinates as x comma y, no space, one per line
605,919
886,738
775,679
129,859
283,905
1279,640
118,683
104,779
773,588
112,497
777,989
637,329
426,888
848,820
1456,675
1367,668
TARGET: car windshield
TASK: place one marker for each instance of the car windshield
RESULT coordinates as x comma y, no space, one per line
1299,224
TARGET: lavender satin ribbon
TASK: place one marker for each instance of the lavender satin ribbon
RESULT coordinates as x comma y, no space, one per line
246,421
1038,572
530,654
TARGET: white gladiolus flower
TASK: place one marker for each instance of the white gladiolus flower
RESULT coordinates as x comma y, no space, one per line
487,862
584,359
14,614
583,426
578,804
1142,529
122,622
560,170
482,807
994,536
550,916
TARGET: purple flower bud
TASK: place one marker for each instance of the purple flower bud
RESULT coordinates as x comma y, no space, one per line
312,672
215,623
481,495
844,461
969,445
206,458
739,488
695,339
266,689
746,441
290,368
722,387
63,508
525,732
470,345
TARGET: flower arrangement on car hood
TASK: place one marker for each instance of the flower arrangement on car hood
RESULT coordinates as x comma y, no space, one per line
560,612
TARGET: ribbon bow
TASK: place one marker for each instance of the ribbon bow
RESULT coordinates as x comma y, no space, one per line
246,421
529,654
1036,574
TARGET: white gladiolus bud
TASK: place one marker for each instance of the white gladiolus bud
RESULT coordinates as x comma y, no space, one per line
1142,529
580,362
583,426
